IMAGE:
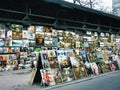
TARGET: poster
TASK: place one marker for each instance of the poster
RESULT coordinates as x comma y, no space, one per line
69,52
31,29
95,68
67,45
61,53
8,42
80,72
1,50
47,77
48,43
17,35
67,75
51,53
2,42
54,64
54,33
48,36
59,32
25,34
31,35
92,57
99,56
75,62
40,29
39,41
55,41
16,27
57,75
64,62
25,43
32,43
77,44
48,29
9,34
17,43
60,44
44,59
2,33
39,34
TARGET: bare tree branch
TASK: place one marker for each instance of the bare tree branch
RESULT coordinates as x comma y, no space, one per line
95,4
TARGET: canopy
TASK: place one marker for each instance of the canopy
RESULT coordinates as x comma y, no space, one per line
57,13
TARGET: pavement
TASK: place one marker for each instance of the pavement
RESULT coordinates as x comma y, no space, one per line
81,80
109,81
18,80
21,71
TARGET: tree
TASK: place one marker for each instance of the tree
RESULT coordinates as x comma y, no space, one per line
94,4
86,3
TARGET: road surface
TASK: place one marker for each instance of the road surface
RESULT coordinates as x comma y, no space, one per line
109,81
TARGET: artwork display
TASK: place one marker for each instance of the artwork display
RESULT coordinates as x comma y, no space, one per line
65,55
80,72
47,77
57,75
25,34
17,43
2,42
15,39
9,34
92,57
2,33
67,75
8,42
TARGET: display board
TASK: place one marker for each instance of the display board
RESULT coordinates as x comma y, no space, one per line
62,55
67,56
17,44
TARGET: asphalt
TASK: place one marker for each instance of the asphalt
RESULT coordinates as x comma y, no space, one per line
18,80
21,71
110,81
81,80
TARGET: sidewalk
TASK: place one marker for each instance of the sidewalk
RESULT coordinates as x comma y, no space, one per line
107,81
81,80
18,80
21,71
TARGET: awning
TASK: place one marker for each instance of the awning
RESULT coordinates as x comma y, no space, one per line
56,12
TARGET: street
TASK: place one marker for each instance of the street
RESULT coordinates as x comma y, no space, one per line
109,81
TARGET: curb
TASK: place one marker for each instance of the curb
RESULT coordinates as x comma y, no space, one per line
81,80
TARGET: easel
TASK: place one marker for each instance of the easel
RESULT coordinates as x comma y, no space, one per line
35,74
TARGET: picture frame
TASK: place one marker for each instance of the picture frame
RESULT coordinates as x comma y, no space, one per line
17,43
16,27
24,34
2,42
47,77
2,33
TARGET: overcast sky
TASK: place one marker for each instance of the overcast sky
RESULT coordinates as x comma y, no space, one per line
107,3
